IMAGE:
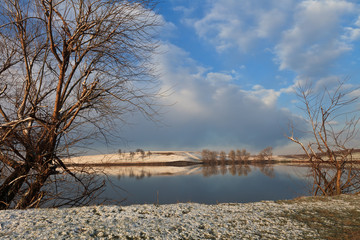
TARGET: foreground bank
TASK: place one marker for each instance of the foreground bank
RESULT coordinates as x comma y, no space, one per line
305,218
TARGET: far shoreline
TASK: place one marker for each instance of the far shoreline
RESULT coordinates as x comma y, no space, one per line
188,163
183,159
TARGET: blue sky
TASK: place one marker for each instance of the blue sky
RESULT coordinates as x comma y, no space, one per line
232,65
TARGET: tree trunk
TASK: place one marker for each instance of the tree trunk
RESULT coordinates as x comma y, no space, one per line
338,181
31,195
12,186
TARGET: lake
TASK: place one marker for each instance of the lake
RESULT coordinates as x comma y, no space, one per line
209,185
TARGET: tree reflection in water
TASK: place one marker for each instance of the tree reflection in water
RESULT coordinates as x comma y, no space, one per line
237,169
267,170
207,170
223,169
243,169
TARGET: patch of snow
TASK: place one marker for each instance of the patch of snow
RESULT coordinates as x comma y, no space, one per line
262,220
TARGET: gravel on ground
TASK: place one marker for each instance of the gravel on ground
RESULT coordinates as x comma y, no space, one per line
261,220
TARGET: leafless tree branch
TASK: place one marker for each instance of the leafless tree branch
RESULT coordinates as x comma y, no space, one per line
67,64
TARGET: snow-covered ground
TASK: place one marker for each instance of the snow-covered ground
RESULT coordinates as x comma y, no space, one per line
101,163
166,157
261,220
153,157
224,221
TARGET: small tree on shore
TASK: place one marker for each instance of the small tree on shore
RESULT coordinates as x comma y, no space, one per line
265,154
205,155
222,157
245,155
213,156
120,153
209,157
333,121
238,155
232,156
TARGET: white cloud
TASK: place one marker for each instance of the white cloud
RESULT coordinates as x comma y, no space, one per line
314,42
167,28
184,10
216,78
233,23
183,83
210,110
357,23
269,23
306,37
351,34
267,96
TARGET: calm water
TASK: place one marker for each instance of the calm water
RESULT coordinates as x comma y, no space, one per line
207,185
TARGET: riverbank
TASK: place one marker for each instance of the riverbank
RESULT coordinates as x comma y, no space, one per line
169,158
303,218
162,163
180,159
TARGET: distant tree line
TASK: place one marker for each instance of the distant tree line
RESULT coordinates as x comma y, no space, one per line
234,157
131,154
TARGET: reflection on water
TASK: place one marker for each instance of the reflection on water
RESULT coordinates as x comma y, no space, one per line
140,172
240,170
207,184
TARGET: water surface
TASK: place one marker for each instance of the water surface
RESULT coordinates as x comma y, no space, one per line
210,185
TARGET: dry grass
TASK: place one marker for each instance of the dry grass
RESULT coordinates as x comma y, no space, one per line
330,222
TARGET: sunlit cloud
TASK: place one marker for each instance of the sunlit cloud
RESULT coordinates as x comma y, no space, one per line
240,24
314,42
306,37
207,109
275,45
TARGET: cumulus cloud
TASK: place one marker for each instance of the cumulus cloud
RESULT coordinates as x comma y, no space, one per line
233,23
208,110
306,37
314,42
351,34
267,96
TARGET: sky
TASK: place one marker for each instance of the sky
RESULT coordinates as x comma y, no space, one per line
231,67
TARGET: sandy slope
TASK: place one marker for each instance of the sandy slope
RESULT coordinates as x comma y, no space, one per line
156,156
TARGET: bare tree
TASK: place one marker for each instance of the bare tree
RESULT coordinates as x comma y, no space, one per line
209,157
245,155
242,155
120,153
213,156
205,155
131,154
238,155
333,118
66,65
232,156
265,154
222,157
142,154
